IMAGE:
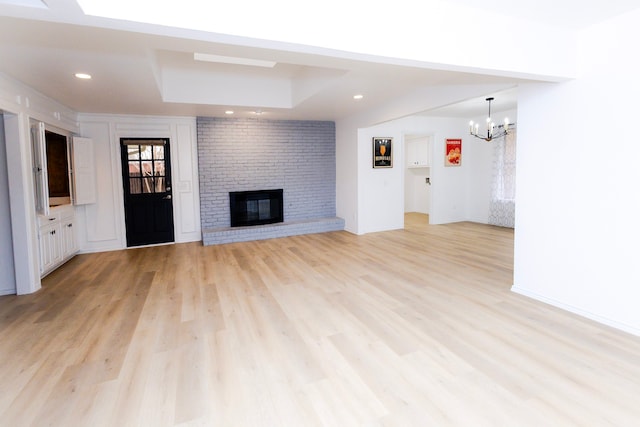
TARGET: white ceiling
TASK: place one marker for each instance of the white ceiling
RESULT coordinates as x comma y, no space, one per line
566,13
147,69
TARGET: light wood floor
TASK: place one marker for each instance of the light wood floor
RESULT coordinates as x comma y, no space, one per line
413,327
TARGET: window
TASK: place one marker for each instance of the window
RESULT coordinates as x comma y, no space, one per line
146,166
502,206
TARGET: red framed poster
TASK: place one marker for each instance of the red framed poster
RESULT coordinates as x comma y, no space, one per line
453,152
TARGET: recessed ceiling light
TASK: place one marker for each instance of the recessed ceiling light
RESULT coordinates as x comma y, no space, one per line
229,112
83,76
258,112
358,96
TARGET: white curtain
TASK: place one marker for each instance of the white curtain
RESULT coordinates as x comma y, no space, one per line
502,207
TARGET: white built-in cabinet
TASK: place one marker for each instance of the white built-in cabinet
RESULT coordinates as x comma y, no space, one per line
64,176
417,152
57,236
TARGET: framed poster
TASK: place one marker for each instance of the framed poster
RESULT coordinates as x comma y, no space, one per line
382,152
453,152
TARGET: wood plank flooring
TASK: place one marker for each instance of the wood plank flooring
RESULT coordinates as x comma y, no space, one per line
413,327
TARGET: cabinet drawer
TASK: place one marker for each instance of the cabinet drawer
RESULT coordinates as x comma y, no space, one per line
48,219
56,214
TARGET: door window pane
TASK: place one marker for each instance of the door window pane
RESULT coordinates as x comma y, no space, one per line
147,185
147,168
133,152
135,186
158,168
146,152
158,152
160,184
134,169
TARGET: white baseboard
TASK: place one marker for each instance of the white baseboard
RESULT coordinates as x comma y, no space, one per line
576,310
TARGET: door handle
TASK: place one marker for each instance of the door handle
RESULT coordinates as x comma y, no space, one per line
167,197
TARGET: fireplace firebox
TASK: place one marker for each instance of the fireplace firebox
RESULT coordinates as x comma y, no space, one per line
255,207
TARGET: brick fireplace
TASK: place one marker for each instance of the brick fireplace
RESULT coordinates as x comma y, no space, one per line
244,155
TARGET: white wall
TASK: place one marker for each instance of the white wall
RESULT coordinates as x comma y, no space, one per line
449,185
381,191
577,228
480,156
102,225
347,174
7,271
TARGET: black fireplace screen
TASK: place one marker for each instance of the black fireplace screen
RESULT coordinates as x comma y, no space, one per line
255,207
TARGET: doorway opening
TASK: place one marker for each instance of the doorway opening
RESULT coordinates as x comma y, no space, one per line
148,205
417,175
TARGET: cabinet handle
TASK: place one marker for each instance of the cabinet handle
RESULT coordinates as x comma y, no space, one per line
52,219
69,225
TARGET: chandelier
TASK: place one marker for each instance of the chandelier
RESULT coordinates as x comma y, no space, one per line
493,131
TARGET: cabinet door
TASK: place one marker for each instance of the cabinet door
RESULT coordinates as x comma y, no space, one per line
45,252
423,153
418,152
68,237
39,149
50,250
412,155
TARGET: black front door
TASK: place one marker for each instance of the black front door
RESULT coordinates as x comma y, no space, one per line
146,175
